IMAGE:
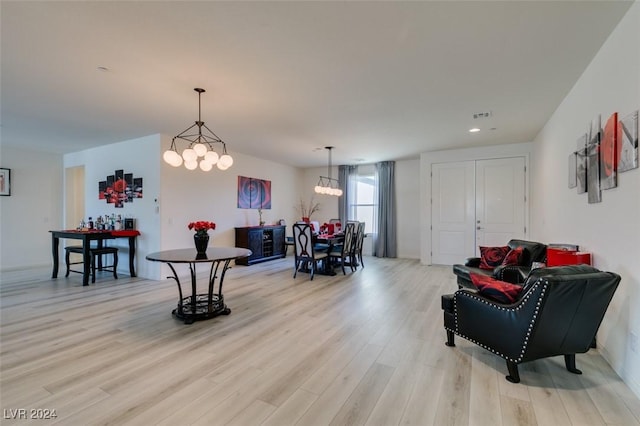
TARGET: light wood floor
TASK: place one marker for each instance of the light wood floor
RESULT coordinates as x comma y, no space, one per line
367,348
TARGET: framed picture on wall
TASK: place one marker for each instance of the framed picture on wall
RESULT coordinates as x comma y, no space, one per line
581,164
5,182
254,193
628,142
608,147
573,167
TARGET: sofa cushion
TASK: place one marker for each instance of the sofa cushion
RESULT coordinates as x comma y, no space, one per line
533,251
491,257
513,257
499,291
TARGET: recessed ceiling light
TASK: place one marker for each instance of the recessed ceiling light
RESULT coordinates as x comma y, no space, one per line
474,130
103,69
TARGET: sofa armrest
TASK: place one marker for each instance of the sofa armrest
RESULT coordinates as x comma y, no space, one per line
483,320
473,262
514,274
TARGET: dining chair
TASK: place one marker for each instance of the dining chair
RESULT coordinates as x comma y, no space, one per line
305,253
337,225
95,253
344,251
357,246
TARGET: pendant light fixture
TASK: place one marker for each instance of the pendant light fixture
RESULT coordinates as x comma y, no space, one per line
201,146
326,185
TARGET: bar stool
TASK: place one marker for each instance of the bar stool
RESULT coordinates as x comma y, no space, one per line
95,252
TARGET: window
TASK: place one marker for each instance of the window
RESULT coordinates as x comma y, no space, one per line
363,207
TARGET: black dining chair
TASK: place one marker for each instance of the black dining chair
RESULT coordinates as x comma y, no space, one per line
305,253
95,253
344,252
357,245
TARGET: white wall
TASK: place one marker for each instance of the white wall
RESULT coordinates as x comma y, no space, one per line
140,157
407,208
173,197
33,209
609,230
196,195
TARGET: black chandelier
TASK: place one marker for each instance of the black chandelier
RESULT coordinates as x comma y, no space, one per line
200,146
326,185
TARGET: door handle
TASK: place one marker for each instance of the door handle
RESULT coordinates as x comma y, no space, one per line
478,227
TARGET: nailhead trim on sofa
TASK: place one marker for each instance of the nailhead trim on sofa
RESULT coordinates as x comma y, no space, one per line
523,301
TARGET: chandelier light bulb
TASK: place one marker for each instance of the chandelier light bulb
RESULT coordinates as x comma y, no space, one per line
221,166
205,166
191,164
226,161
172,158
211,157
189,155
200,149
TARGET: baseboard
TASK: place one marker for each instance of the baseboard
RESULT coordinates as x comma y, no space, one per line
25,267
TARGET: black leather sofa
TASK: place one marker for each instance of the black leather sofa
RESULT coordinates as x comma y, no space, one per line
558,312
533,252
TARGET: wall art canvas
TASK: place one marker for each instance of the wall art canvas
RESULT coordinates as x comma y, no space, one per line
5,182
581,164
628,142
608,153
593,164
254,193
572,165
120,188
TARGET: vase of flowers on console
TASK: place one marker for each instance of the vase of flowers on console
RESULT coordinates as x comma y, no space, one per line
201,237
306,210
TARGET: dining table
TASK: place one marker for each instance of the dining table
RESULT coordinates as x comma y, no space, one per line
86,236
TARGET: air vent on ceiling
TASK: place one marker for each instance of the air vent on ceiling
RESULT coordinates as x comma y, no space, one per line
482,115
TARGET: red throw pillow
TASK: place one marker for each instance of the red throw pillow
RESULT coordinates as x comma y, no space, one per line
491,257
513,257
499,291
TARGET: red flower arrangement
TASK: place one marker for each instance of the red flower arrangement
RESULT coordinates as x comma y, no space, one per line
201,226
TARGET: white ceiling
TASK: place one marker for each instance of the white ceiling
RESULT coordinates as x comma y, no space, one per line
377,80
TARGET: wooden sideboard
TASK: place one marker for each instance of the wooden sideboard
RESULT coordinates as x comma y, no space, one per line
265,243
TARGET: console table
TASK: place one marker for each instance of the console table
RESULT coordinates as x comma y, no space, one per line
265,243
86,237
204,305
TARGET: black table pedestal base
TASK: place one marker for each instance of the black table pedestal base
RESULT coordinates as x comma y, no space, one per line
203,309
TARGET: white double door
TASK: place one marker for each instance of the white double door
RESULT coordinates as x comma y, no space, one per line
476,203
